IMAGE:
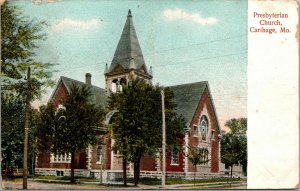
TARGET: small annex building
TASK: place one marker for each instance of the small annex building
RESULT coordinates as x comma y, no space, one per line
194,101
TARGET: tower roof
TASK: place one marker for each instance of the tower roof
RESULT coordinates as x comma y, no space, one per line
128,52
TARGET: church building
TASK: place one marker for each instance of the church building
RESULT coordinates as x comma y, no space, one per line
194,101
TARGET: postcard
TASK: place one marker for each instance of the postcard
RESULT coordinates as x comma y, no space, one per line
147,95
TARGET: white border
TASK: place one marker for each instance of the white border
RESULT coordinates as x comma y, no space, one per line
273,100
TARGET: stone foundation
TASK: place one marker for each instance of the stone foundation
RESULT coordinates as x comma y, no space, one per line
66,172
105,176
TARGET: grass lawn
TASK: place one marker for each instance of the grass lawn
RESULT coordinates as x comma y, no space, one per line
13,179
170,181
182,181
145,181
48,181
81,179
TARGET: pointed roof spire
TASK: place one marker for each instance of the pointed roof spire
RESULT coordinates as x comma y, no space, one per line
129,13
150,71
128,50
106,69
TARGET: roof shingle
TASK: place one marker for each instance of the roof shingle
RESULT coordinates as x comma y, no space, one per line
98,96
187,97
128,53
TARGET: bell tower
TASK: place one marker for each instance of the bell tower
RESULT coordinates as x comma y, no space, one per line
128,62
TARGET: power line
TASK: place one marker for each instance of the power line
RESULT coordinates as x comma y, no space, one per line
205,58
161,51
207,42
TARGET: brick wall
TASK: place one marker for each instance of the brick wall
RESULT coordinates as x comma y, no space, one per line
205,107
44,161
215,154
148,163
104,160
44,158
60,94
175,167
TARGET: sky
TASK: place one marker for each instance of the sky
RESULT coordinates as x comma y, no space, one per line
183,41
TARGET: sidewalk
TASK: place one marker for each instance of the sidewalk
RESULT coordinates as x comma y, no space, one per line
231,185
39,184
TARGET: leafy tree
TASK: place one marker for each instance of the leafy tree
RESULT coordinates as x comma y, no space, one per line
32,140
234,144
12,132
12,122
138,129
77,125
19,40
237,126
20,37
45,124
198,156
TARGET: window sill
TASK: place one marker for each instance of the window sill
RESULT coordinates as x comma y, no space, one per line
98,162
205,141
60,162
174,164
203,165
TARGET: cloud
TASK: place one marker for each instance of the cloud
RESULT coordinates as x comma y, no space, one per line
176,14
77,24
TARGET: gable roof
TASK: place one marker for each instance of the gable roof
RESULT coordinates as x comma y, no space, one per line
128,53
187,98
98,96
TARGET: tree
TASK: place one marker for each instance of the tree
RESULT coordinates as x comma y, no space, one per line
32,140
77,125
12,122
198,156
237,126
45,124
138,129
12,132
20,37
234,144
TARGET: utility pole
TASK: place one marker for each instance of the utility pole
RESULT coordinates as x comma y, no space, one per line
26,128
163,178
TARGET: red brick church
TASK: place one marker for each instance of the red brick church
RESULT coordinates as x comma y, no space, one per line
194,101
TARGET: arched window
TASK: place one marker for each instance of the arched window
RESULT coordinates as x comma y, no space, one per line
114,85
205,157
99,155
122,81
203,127
122,84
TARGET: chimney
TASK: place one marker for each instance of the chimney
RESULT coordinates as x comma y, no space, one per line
88,79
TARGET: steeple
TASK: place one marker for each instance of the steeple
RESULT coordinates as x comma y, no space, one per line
128,52
128,62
